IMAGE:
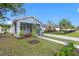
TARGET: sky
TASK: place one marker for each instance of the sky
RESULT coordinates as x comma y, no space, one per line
53,12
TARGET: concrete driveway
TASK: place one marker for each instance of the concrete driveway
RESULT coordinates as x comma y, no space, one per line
62,37
57,41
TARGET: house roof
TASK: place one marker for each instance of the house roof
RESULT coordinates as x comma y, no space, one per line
44,25
26,17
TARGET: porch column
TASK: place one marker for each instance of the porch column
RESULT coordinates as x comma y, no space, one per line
17,29
41,30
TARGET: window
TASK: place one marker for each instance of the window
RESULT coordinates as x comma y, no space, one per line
22,27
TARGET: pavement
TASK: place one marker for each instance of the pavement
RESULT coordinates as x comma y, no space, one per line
45,38
57,41
62,37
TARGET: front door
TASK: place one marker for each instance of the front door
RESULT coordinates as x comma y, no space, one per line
27,30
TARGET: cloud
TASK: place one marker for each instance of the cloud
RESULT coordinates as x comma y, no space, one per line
9,22
78,10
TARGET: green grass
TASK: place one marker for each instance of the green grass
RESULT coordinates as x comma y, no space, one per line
67,41
9,45
73,34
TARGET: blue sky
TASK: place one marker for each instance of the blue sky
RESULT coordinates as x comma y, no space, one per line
53,12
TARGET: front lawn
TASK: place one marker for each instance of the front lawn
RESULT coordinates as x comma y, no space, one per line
9,45
73,34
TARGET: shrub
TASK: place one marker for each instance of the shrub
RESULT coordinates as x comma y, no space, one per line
60,54
66,51
33,34
21,33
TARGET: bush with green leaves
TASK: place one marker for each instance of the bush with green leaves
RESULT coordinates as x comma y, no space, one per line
66,51
33,34
21,33
34,30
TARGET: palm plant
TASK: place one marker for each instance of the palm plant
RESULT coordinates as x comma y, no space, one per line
34,34
34,29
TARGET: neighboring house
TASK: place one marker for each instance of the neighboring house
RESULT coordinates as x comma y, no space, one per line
57,28
54,28
48,28
44,27
69,30
77,28
2,30
25,24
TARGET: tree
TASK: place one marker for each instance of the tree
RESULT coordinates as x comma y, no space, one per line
14,8
64,24
5,26
50,27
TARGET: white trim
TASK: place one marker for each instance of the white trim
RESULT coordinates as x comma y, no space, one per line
17,29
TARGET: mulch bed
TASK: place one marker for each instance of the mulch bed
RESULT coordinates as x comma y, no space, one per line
33,41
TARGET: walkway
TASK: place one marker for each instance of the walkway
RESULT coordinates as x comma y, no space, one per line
60,42
62,37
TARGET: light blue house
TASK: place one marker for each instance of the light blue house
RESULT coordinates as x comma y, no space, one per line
25,24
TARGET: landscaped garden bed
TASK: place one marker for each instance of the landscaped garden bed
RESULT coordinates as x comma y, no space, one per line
33,41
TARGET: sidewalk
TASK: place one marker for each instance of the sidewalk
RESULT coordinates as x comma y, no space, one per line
60,42
45,38
62,37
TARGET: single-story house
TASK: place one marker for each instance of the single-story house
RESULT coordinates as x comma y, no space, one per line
44,26
25,24
57,28
68,30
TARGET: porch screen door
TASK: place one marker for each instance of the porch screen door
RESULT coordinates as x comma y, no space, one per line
27,30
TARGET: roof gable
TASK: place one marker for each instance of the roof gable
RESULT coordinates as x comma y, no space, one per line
29,19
